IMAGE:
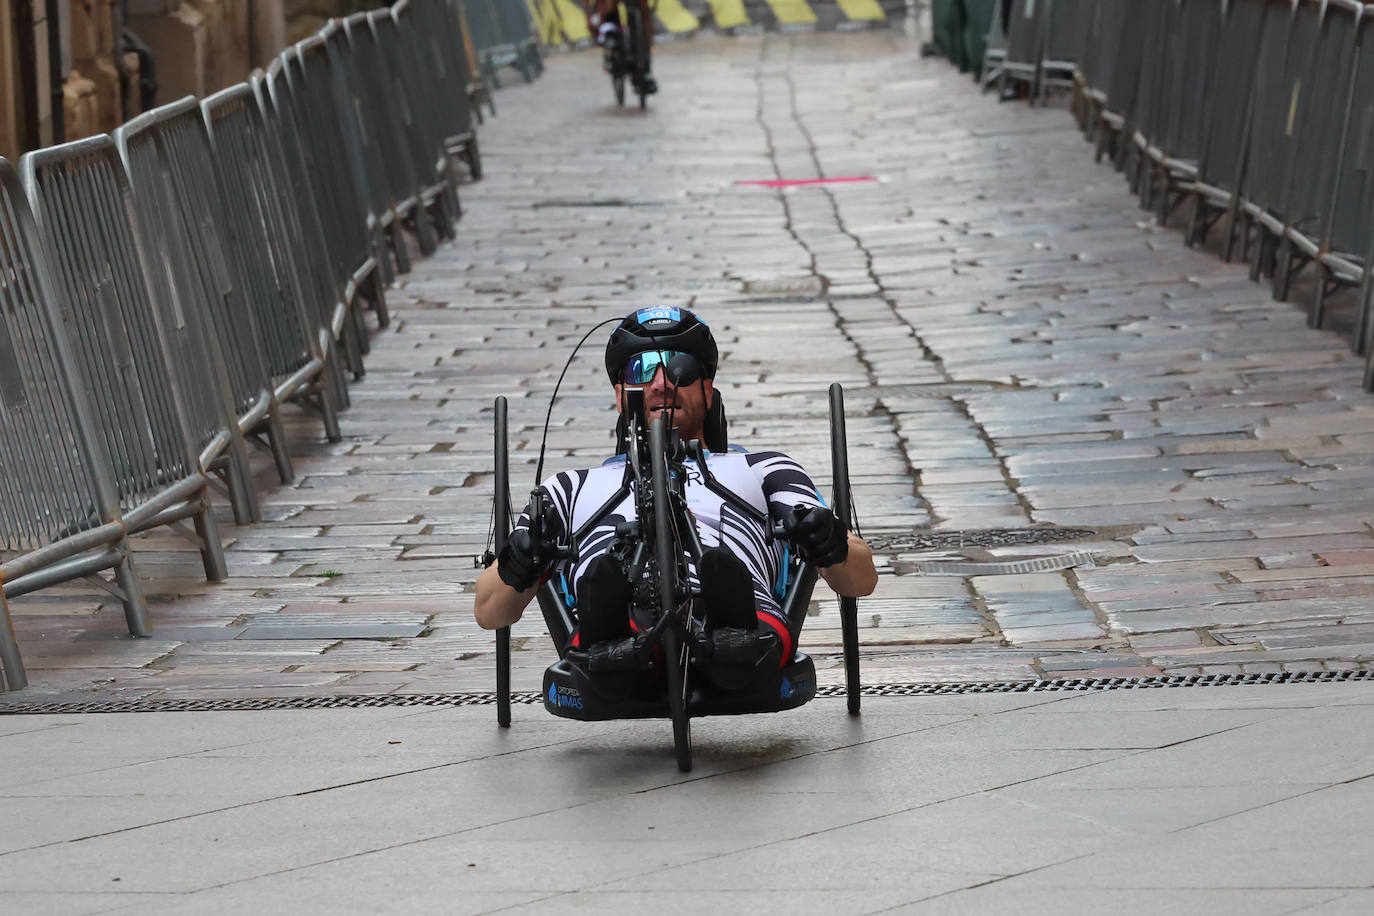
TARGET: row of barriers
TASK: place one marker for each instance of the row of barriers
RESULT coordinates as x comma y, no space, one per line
166,289
1255,118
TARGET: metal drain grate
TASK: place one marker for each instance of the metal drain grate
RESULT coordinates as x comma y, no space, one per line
1069,685
975,537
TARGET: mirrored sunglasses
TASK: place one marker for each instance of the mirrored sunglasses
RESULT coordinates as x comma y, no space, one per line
641,368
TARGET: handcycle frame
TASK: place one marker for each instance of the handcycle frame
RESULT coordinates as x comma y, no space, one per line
661,538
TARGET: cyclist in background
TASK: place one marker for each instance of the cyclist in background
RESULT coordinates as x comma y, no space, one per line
603,19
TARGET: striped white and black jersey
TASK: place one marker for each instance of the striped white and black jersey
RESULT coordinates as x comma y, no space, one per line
769,481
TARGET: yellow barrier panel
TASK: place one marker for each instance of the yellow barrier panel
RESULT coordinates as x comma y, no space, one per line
790,12
546,22
675,17
574,21
861,9
729,13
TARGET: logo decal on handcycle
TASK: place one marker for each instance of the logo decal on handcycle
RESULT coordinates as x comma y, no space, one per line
564,696
660,313
787,689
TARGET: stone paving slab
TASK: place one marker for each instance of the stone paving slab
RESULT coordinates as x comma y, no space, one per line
1231,798
1021,347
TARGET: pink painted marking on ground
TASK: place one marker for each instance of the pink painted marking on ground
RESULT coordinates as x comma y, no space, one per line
799,182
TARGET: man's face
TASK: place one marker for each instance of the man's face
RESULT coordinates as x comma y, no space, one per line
687,404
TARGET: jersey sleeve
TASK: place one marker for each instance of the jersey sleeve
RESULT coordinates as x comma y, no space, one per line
785,484
560,491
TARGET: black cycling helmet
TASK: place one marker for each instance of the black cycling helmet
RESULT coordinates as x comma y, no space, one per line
661,328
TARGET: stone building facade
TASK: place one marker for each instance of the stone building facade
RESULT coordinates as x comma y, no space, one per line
74,68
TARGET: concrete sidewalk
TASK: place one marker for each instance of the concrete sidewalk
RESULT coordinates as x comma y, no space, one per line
1225,799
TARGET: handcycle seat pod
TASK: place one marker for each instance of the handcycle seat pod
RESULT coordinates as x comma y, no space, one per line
570,692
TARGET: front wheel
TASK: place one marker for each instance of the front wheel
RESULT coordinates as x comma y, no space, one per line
618,84
675,658
666,555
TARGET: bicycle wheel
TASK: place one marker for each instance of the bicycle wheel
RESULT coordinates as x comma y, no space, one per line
618,84
501,521
639,53
849,607
667,553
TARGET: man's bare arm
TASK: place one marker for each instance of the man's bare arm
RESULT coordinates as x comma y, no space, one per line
856,576
498,605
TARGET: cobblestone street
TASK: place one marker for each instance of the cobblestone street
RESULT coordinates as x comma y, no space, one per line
1020,345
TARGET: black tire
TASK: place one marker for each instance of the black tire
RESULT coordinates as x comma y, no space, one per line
849,607
667,554
502,525
639,53
618,84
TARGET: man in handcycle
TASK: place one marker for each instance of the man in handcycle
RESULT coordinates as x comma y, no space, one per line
741,564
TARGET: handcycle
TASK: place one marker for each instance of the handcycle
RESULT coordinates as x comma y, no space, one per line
655,549
627,55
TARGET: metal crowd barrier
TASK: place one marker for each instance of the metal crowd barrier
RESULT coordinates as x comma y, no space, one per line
328,129
163,291
1255,112
422,139
355,62
79,194
295,363
177,194
308,257
503,34
60,515
439,49
195,346
1346,244
1320,100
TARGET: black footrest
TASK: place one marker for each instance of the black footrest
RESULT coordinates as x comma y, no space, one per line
735,646
629,654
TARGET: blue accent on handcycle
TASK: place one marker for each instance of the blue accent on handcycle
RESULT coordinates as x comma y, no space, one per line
553,694
786,691
568,597
659,313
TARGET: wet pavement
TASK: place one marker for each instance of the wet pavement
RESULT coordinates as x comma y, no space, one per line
1023,350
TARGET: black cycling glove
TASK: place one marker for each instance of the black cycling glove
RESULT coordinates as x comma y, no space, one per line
819,536
522,562
525,559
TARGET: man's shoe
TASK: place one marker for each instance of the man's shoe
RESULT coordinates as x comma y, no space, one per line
650,84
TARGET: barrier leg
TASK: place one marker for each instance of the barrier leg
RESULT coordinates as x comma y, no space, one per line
397,243
1317,313
276,438
355,317
352,350
11,665
425,231
135,605
376,297
1195,222
211,550
239,474
1283,269
328,408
